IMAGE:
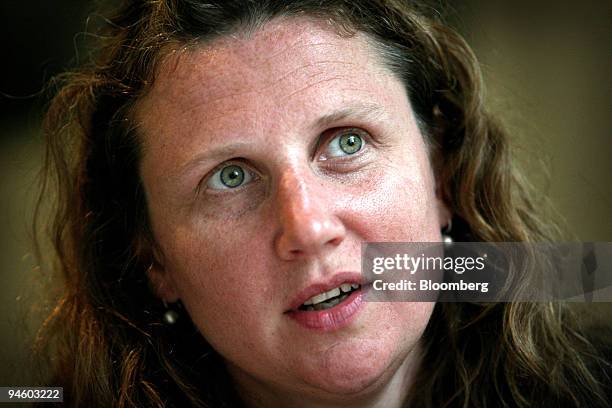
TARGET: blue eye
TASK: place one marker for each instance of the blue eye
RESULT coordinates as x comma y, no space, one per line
228,177
345,144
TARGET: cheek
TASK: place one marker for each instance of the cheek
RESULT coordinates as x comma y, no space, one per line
399,204
409,319
219,281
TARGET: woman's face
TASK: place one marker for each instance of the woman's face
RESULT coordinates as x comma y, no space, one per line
268,160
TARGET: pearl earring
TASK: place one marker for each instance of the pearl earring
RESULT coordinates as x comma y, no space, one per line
170,316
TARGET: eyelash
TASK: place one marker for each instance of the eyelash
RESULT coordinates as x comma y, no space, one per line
325,140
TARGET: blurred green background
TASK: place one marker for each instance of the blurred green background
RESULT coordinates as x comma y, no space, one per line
547,65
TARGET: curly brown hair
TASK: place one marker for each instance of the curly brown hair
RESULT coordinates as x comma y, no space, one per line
106,343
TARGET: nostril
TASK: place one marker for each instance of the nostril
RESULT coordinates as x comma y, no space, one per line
335,241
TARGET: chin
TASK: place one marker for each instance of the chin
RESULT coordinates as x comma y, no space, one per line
354,369
366,362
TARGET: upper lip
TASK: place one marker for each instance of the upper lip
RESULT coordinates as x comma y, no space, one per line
324,286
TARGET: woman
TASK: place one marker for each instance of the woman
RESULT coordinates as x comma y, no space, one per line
219,165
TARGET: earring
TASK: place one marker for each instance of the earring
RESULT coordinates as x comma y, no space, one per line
170,316
446,237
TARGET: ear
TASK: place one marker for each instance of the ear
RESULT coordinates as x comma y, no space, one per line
444,212
161,283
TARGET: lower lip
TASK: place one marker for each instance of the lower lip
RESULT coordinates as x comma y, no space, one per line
331,319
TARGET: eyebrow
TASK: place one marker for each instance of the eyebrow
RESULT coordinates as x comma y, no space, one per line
361,110
215,154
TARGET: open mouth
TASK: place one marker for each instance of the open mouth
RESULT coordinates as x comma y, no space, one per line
329,299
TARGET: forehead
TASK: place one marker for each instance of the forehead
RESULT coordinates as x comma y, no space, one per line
245,62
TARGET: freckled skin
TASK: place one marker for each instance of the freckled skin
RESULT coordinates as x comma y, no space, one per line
238,258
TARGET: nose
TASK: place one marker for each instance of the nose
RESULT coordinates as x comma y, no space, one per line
308,223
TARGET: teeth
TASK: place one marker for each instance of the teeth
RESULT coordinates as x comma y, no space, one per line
322,297
333,293
329,304
346,287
